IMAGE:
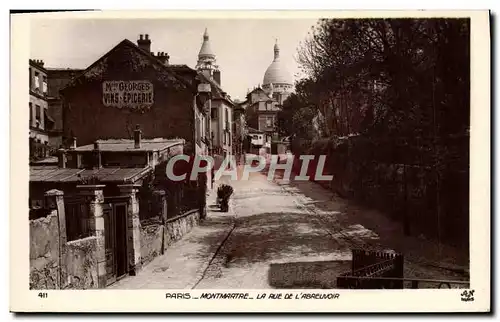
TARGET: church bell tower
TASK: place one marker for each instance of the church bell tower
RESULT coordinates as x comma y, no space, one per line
206,60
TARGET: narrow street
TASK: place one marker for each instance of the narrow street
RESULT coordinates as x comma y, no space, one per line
287,234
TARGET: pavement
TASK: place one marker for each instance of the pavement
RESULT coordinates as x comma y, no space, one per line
287,234
185,261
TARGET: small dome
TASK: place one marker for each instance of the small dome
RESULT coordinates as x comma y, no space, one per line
206,50
277,73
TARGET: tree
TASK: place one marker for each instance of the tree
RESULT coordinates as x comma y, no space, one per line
297,114
388,76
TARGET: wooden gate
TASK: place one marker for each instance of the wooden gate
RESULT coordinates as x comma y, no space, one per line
77,217
115,225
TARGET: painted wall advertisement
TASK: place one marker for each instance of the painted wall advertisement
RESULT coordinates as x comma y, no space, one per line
137,94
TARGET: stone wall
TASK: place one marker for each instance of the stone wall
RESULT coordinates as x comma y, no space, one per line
155,236
44,253
80,266
178,226
151,241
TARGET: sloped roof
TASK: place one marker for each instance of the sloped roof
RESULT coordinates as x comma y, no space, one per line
206,49
70,175
258,90
125,145
93,69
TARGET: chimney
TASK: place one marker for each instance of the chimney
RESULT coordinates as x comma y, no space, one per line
61,158
97,156
163,57
144,43
217,76
137,137
72,143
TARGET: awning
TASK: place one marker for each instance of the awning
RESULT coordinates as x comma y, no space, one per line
104,175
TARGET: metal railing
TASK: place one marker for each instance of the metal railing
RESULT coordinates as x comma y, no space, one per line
384,270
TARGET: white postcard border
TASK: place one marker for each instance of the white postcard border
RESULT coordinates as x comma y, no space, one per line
425,300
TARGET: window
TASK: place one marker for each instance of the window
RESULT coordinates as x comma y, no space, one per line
227,115
31,114
269,122
30,78
213,113
37,80
255,137
38,112
45,88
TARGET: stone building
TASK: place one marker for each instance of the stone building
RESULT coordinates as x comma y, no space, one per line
41,124
222,106
130,85
113,196
58,78
39,121
264,102
115,190
262,111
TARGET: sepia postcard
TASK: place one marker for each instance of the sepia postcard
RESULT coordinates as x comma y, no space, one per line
271,161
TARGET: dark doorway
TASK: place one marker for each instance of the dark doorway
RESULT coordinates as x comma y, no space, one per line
109,233
115,224
121,239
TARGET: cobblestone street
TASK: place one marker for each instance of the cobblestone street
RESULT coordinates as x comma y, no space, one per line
287,234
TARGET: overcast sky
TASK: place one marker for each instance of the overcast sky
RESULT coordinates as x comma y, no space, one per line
243,48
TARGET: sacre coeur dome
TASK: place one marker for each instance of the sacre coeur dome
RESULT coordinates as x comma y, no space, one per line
277,72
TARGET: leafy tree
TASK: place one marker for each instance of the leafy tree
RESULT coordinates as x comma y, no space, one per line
388,76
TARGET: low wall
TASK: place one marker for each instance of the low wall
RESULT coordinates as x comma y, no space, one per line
177,227
44,253
80,269
154,236
151,241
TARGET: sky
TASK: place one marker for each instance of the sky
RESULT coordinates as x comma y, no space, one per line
243,47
